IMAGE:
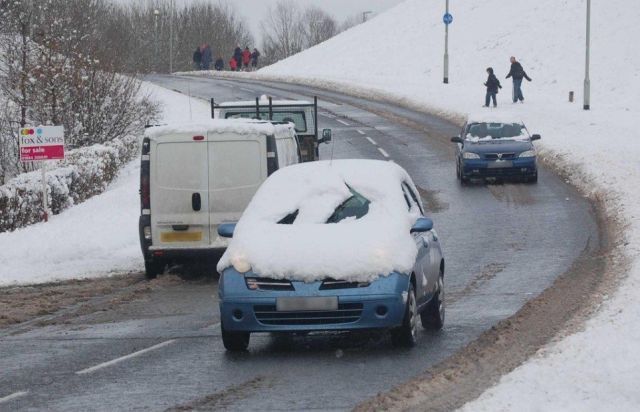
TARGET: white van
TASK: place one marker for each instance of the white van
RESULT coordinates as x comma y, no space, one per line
198,175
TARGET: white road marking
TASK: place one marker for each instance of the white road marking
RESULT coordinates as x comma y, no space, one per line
360,131
123,358
13,396
385,154
330,116
373,142
343,122
246,90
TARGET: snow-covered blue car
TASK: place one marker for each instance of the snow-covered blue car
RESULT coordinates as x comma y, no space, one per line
331,246
494,147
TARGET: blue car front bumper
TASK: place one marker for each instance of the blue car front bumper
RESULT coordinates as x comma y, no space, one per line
381,304
488,168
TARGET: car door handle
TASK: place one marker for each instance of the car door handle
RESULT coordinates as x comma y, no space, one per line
196,202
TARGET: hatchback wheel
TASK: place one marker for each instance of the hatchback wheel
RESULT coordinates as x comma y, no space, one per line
407,334
234,341
432,317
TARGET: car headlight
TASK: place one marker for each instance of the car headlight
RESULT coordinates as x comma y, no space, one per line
528,153
470,155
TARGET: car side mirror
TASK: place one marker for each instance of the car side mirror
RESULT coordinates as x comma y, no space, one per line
456,139
226,229
536,137
326,136
423,224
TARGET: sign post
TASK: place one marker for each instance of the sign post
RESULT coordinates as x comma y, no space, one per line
447,19
42,143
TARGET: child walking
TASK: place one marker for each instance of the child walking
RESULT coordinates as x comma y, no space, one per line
493,84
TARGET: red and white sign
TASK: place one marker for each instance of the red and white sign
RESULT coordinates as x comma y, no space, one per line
41,143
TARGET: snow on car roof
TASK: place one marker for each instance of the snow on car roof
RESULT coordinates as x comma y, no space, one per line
264,102
239,126
493,117
310,249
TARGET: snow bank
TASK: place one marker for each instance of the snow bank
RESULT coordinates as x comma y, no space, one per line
97,237
398,56
361,249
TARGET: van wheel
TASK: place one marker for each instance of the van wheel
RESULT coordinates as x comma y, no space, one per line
153,268
234,341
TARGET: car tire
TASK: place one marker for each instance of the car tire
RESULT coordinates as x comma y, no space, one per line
432,317
153,268
234,341
407,334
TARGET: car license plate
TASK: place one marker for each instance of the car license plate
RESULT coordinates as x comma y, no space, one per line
306,303
500,164
168,237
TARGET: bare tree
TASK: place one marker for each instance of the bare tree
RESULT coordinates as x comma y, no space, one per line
282,32
317,26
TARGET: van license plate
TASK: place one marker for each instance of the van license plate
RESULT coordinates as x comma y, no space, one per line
168,237
306,304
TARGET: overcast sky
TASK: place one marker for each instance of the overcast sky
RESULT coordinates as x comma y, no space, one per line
254,10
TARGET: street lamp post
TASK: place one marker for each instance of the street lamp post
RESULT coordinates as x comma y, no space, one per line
446,47
587,82
171,38
156,14
365,14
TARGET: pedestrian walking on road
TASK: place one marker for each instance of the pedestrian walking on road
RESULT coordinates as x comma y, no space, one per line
233,64
219,64
237,54
197,59
254,59
493,84
246,58
207,57
517,73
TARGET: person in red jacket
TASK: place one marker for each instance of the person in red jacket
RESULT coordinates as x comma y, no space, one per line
233,64
246,58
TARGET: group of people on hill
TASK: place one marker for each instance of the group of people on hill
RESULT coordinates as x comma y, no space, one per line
246,59
516,73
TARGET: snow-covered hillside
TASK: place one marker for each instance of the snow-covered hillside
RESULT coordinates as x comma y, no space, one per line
399,55
97,237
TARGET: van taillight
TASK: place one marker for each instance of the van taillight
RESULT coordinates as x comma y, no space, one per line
145,192
198,138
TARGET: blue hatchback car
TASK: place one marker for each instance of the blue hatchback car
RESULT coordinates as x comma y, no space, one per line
495,149
311,257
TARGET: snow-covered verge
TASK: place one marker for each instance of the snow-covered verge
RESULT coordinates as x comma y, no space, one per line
398,56
354,249
84,173
98,236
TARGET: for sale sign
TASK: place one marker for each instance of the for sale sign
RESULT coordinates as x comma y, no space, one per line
41,143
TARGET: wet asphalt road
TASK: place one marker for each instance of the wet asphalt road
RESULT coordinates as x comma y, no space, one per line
503,244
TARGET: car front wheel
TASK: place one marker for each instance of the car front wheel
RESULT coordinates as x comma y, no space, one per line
432,317
407,334
234,341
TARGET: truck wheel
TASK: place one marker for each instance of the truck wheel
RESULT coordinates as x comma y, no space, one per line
432,317
153,268
407,334
234,341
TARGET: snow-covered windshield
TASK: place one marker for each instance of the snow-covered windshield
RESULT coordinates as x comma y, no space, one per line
489,131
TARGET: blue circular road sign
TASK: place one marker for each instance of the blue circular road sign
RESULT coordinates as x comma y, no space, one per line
447,18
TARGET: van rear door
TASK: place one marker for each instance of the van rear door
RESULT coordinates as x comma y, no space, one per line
180,192
237,168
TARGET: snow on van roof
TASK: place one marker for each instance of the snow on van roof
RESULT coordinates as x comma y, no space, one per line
310,249
239,126
493,117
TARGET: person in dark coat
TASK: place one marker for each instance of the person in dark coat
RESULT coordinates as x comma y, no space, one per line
219,64
517,73
493,84
237,54
207,57
254,59
197,59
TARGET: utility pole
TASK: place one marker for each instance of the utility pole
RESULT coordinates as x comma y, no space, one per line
365,14
446,44
156,14
172,4
587,82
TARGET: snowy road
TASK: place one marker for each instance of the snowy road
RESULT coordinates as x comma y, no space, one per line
503,243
